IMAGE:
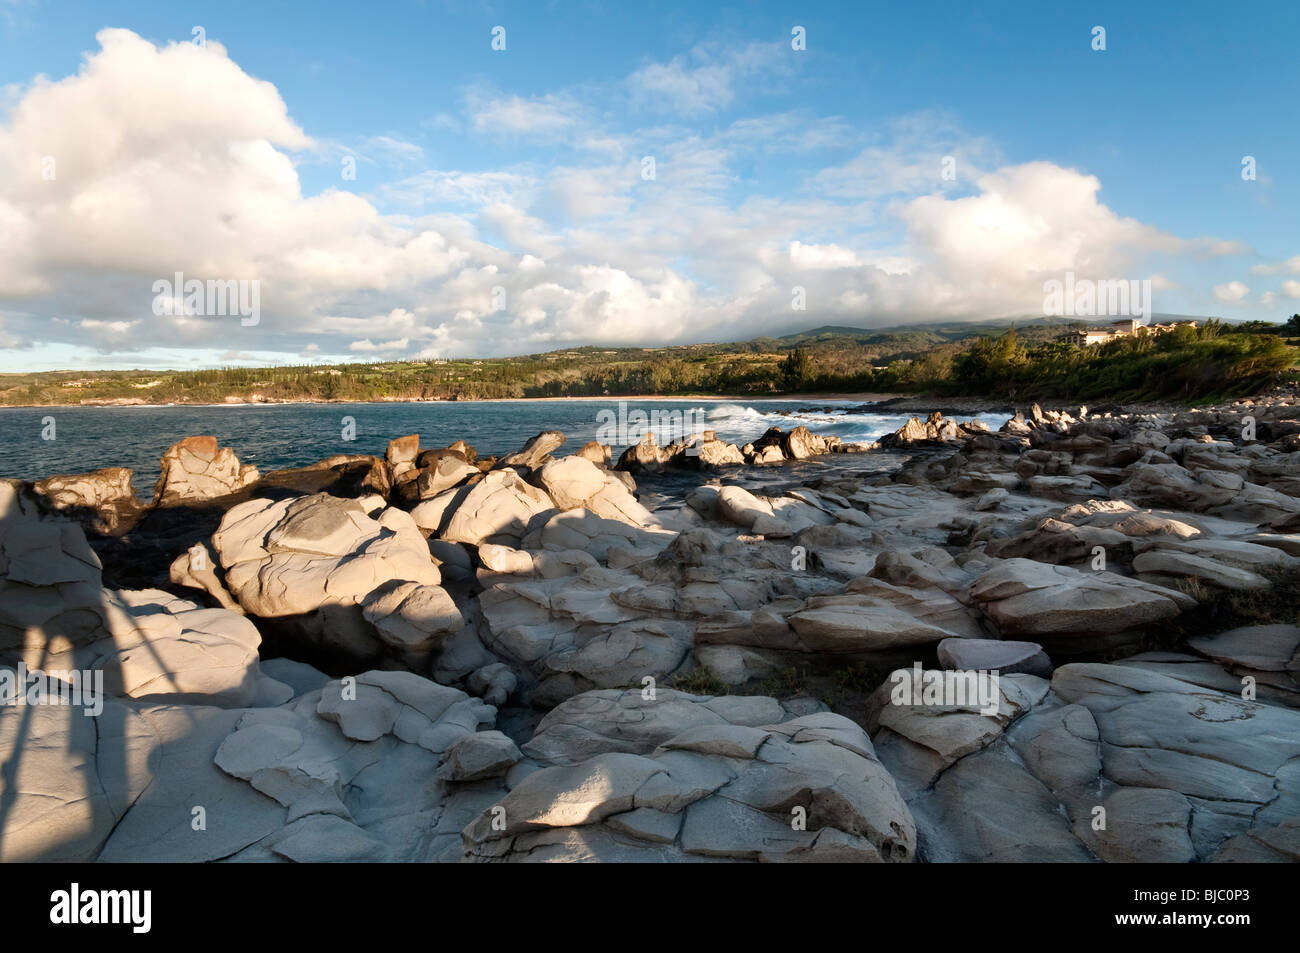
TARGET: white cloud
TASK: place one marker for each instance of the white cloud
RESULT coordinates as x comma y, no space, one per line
1232,291
818,257
436,187
398,344
539,117
1291,289
1027,224
705,79
396,150
587,251
1289,267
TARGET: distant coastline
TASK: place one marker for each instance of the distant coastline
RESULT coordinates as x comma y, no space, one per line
245,402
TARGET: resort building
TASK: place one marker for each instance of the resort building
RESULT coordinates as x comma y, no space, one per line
1126,327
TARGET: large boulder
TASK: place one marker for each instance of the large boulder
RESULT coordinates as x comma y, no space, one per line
56,617
500,508
637,721
106,498
807,789
1027,598
315,563
572,481
536,452
993,655
801,443
856,623
646,454
197,468
347,772
599,629
165,649
738,506
1120,763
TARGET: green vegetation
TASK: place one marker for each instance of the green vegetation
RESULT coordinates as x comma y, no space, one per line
699,681
1218,610
787,683
974,360
1189,363
797,369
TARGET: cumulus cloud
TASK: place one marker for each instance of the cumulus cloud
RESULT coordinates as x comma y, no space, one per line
510,259
1232,291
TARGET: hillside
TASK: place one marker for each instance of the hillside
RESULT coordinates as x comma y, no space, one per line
938,358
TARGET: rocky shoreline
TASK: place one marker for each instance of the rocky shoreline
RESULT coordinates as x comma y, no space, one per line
432,656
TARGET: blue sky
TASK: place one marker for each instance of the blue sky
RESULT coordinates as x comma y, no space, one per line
500,203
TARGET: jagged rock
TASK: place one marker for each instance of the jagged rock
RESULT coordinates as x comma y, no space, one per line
800,444
1065,487
636,721
1024,597
749,512
438,477
571,481
312,562
494,683
714,790
368,763
615,542
597,453
1268,648
347,475
505,559
499,509
465,450
411,618
196,568
402,452
718,453
1164,563
1009,658
162,648
197,469
934,429
769,454
594,630
735,664
646,454
576,482
1055,541
107,497
536,452
930,568
484,754
853,623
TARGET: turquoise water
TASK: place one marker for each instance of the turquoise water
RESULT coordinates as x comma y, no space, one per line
272,436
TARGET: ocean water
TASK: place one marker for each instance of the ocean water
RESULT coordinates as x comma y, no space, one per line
272,436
